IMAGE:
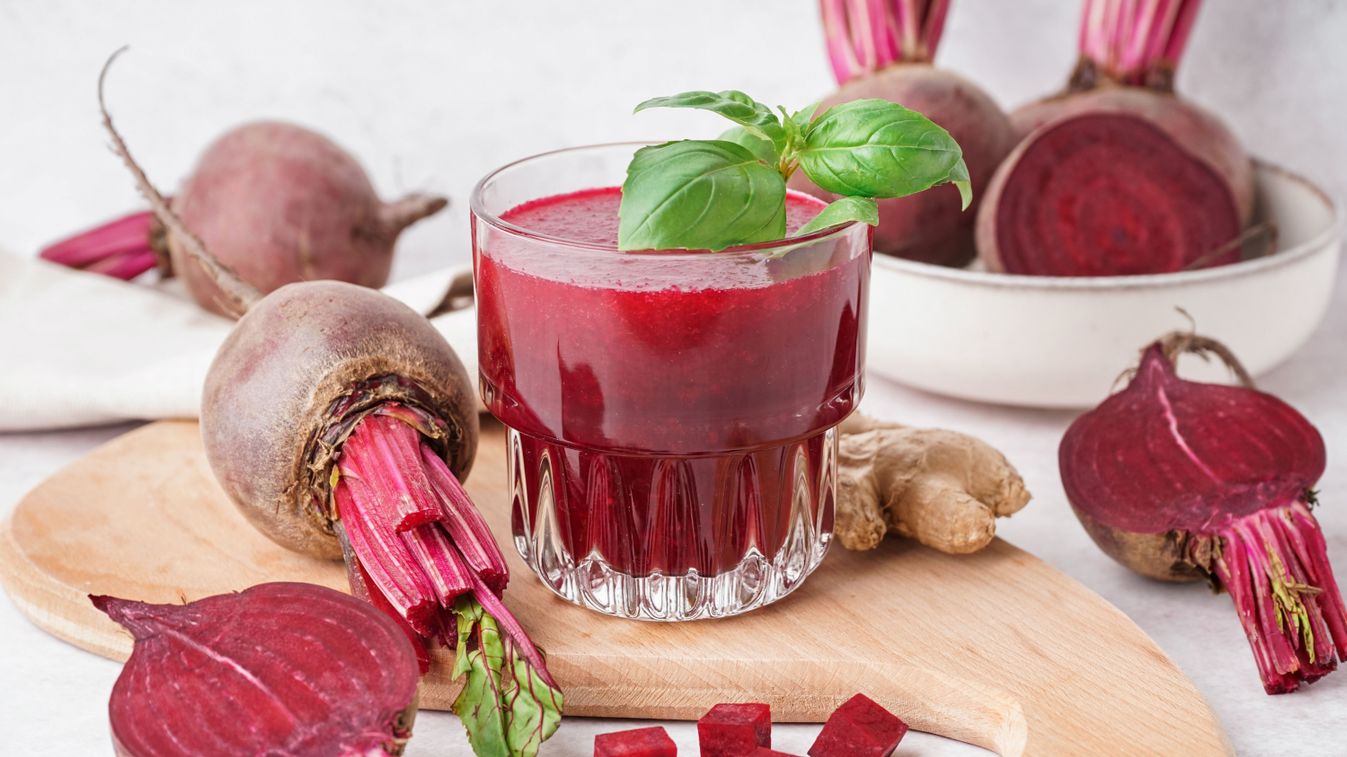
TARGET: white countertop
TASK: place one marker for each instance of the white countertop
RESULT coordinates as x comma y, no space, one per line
393,82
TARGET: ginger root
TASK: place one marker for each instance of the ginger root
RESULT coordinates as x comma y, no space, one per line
942,488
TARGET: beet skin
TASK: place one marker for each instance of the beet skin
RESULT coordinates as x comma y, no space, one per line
302,361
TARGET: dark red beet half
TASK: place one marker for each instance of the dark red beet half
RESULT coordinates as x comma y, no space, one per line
1106,194
1178,479
334,676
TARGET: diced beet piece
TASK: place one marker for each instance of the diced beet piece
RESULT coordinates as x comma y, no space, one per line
638,742
733,730
763,751
859,728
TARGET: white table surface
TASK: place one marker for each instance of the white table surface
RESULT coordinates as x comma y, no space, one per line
391,82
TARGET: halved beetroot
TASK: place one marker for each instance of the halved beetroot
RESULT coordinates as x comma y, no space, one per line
859,728
733,730
638,742
1106,194
280,668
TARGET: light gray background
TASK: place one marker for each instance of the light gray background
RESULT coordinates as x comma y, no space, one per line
433,95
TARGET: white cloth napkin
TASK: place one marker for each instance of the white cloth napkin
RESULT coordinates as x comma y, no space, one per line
81,349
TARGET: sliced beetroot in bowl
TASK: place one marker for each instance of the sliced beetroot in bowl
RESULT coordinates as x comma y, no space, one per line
1180,480
1106,194
280,668
638,742
859,728
732,730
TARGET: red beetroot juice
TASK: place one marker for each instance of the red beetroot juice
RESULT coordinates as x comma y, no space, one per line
671,414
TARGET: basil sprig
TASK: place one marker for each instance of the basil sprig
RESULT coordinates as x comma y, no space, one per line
713,194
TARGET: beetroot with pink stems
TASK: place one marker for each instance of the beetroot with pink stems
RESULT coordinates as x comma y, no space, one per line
334,675
274,201
731,730
1118,175
883,49
859,728
638,742
1180,480
340,422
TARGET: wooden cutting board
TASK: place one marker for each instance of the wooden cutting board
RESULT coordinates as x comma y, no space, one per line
995,649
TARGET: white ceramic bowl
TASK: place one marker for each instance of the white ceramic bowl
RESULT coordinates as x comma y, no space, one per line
1062,342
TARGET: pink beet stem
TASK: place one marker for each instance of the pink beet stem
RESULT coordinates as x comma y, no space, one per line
386,459
441,562
465,524
1128,40
507,621
1275,566
420,570
363,588
864,36
383,554
120,249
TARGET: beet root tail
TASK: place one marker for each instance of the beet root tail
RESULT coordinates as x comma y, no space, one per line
1274,564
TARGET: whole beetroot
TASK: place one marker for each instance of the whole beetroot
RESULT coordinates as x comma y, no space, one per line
884,50
277,203
1118,175
340,421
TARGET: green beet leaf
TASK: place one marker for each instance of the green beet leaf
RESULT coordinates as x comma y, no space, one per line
700,195
844,210
877,148
505,706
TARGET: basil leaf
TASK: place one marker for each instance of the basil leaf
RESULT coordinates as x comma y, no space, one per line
698,195
958,176
762,149
844,210
877,148
804,115
757,118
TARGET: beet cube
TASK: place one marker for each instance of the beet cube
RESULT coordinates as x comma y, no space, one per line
638,742
859,728
763,751
734,730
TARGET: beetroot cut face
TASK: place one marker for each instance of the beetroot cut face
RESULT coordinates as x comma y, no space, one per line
331,676
1178,479
1106,194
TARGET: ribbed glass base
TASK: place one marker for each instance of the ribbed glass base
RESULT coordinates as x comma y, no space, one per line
659,538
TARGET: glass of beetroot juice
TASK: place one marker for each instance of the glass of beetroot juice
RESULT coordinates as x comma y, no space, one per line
671,414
